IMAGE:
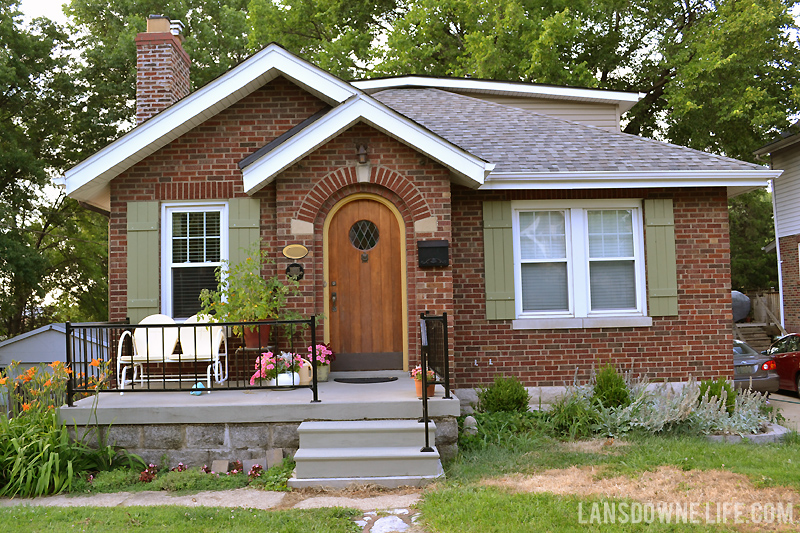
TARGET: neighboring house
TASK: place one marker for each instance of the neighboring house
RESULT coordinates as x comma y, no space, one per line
570,244
784,154
42,345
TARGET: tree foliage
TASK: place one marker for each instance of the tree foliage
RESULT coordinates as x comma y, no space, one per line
751,228
49,249
717,75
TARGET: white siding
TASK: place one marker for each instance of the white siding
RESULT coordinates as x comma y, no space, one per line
787,190
604,116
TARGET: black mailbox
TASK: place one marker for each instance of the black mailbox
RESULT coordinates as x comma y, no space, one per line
433,253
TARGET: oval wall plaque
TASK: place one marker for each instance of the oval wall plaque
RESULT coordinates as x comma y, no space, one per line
295,251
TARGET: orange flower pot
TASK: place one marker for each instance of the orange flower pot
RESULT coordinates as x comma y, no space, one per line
418,384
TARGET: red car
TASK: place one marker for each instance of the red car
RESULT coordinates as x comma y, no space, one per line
786,352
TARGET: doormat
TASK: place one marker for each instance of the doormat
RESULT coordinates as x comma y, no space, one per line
364,380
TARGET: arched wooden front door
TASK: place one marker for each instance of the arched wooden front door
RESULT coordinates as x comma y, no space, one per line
365,310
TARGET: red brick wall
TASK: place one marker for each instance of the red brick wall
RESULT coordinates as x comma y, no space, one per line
697,342
203,165
790,280
162,73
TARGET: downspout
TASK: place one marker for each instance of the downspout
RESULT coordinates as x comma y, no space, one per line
777,249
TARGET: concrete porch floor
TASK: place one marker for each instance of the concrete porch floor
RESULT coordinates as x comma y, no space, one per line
338,401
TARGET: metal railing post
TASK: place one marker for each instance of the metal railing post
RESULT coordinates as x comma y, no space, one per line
70,377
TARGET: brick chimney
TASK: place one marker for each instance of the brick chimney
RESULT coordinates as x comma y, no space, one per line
162,67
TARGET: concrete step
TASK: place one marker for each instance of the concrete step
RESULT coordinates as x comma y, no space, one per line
365,462
364,433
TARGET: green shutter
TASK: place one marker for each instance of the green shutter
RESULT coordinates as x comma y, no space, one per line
662,276
498,258
244,227
143,260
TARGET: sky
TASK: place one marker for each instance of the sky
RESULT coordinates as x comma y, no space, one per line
43,8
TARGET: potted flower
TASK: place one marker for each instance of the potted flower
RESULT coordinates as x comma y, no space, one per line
416,374
243,295
322,357
277,369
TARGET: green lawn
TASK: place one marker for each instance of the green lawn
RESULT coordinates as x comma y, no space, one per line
175,519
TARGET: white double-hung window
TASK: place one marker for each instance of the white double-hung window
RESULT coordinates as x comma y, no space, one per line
578,260
194,244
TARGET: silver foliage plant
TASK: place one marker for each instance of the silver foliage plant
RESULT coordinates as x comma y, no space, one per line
665,406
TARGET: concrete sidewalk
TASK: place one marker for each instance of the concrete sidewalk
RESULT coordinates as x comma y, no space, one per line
384,513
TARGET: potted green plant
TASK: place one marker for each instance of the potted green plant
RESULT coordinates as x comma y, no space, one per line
322,357
416,375
243,295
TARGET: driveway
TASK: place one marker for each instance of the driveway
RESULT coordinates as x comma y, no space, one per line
789,405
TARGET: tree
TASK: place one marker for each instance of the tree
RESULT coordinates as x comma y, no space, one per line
336,35
751,229
216,40
717,75
48,247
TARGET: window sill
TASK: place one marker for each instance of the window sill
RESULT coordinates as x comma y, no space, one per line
583,323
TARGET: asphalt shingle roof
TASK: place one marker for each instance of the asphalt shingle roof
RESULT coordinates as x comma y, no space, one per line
522,141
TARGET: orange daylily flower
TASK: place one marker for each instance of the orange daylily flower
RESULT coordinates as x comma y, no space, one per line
48,383
51,406
55,364
26,406
3,380
95,362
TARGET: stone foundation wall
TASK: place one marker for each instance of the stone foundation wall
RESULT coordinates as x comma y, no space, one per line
201,444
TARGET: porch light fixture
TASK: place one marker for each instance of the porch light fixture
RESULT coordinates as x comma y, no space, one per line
362,154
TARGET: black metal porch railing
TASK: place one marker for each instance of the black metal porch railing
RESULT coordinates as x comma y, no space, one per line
434,356
433,331
193,357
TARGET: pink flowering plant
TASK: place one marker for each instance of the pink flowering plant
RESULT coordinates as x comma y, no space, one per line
269,365
416,373
323,355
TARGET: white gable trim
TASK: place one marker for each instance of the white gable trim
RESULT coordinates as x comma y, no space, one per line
362,108
737,181
624,100
87,180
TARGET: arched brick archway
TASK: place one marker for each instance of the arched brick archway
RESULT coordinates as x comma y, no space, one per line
345,178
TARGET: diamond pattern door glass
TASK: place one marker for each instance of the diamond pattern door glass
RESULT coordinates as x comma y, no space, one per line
364,235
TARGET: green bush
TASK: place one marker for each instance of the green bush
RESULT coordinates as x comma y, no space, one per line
504,395
572,416
715,388
610,389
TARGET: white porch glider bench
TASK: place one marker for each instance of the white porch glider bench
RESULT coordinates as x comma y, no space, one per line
156,345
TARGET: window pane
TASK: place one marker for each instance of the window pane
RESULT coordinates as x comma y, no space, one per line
613,284
542,235
178,250
212,224
610,233
186,286
179,224
212,249
196,254
544,287
197,226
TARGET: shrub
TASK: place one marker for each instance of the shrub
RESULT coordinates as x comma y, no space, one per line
715,387
610,389
504,395
573,416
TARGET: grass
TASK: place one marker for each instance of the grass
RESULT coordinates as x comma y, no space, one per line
765,465
462,504
175,519
489,510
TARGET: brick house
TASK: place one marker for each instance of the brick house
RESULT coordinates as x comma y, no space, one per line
569,243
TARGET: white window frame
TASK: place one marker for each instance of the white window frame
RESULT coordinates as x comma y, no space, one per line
166,243
579,313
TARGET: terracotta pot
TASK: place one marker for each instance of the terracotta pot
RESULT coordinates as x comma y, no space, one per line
418,384
255,339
